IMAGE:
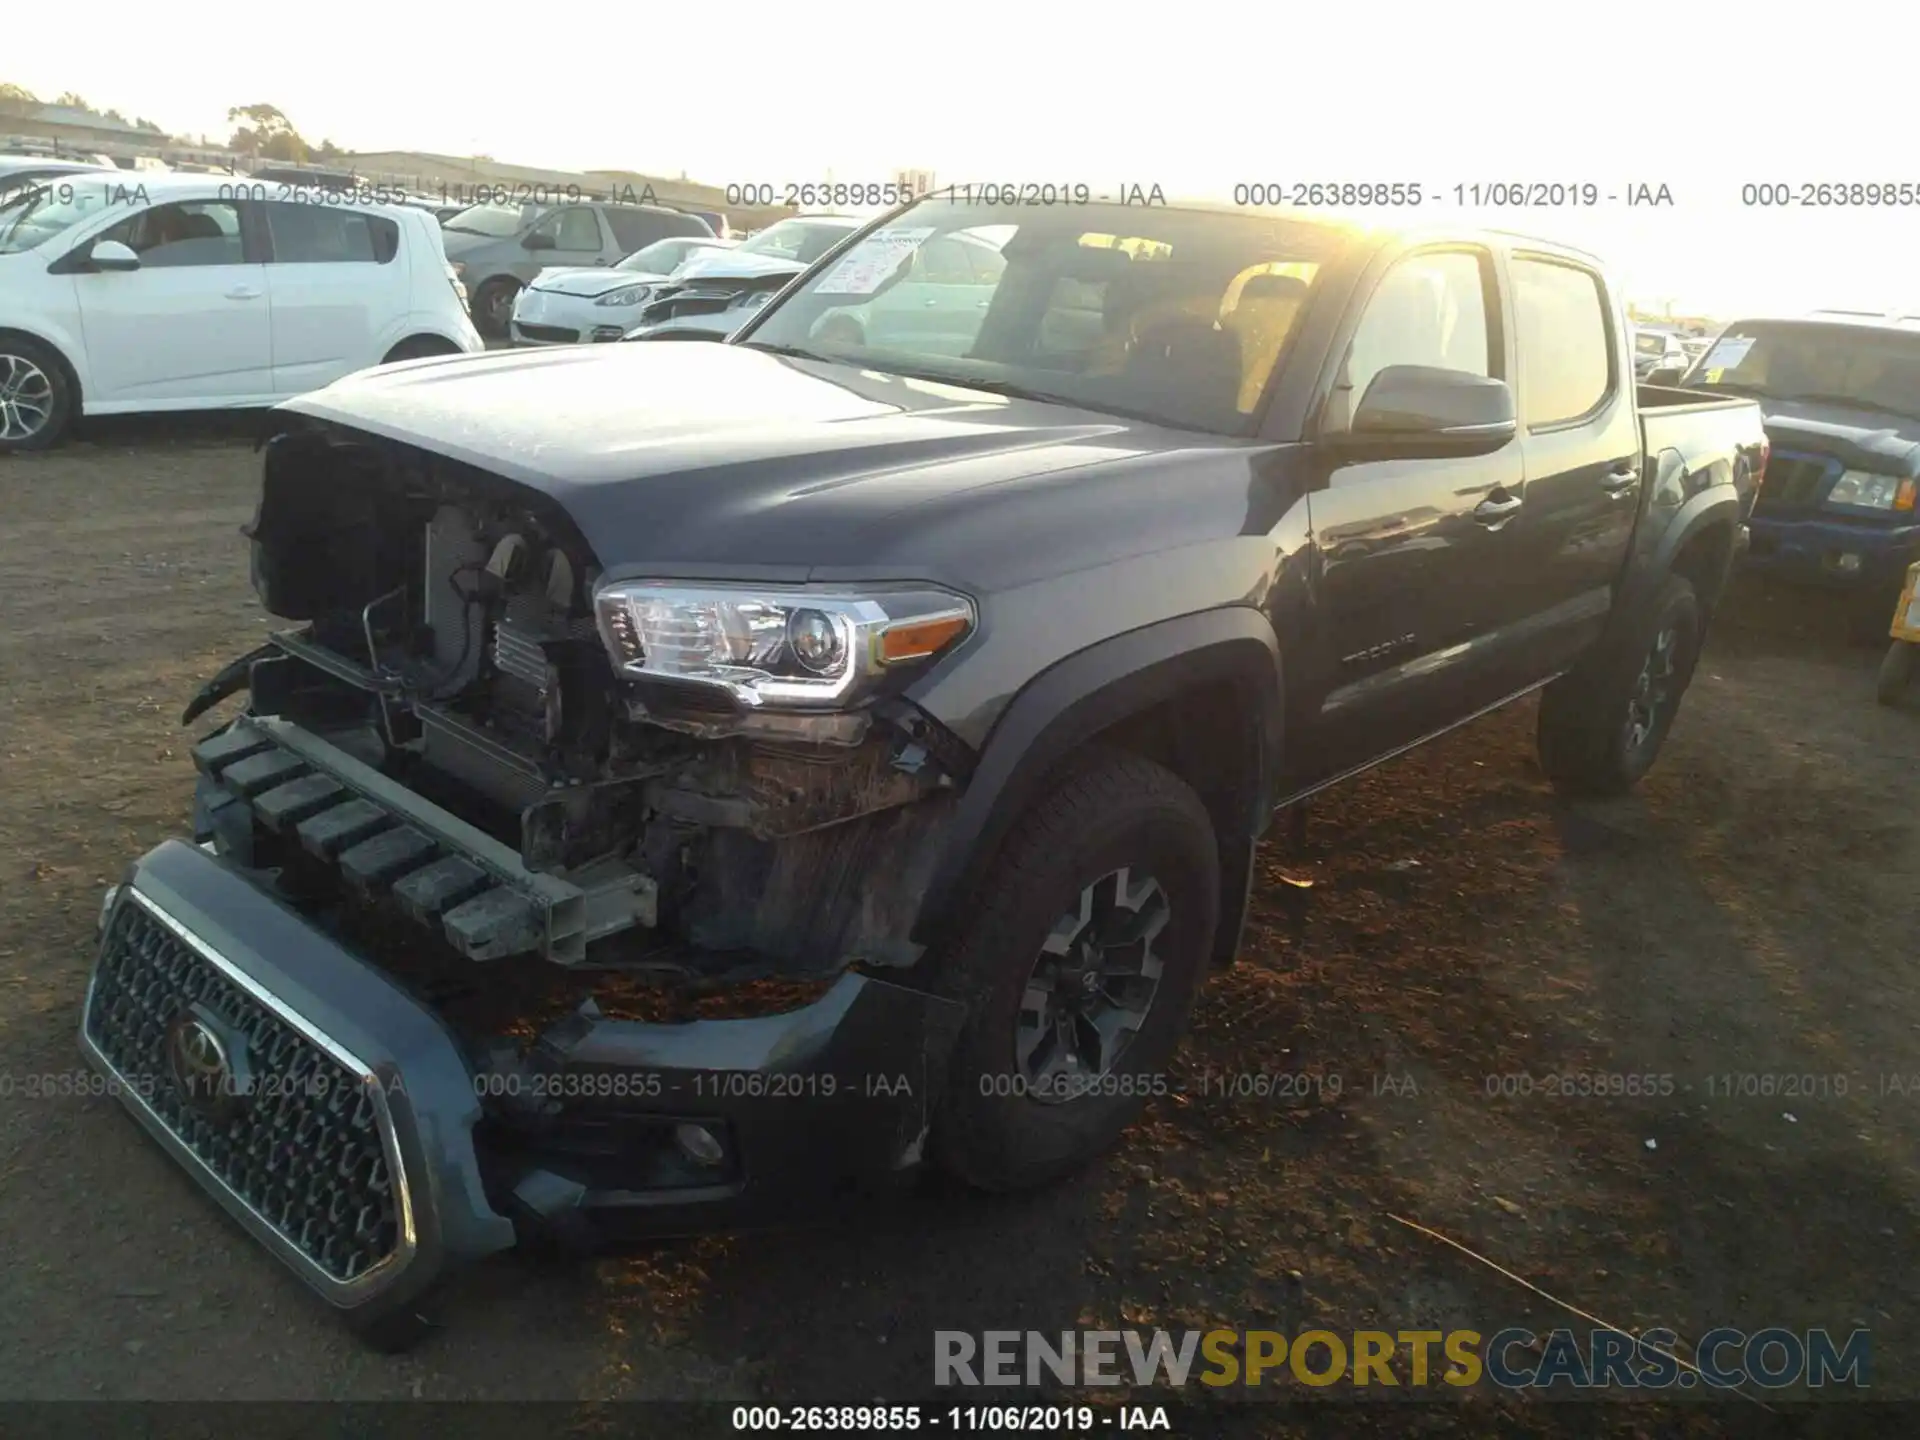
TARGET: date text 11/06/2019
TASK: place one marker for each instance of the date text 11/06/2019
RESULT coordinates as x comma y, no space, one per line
961,1419
1466,195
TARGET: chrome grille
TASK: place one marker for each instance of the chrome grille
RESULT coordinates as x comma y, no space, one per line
307,1146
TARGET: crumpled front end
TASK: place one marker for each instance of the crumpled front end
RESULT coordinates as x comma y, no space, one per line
480,940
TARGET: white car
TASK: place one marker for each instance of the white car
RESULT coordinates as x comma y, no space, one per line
711,296
565,305
138,292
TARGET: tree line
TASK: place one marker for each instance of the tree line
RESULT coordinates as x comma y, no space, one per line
262,130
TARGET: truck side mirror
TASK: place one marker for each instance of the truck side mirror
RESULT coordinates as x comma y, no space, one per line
1416,411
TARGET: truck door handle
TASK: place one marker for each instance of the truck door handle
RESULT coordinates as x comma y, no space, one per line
243,292
1619,482
1494,512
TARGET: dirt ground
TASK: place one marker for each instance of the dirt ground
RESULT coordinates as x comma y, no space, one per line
1750,912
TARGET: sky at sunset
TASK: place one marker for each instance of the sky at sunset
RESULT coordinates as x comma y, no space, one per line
1196,98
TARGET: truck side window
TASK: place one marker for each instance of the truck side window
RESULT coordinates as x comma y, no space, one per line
1431,309
1560,320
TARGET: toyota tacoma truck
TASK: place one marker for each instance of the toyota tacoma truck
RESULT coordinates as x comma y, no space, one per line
697,785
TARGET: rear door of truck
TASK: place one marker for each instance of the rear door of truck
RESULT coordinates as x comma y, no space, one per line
1580,439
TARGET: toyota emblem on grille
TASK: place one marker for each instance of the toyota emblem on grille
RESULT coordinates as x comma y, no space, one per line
203,1067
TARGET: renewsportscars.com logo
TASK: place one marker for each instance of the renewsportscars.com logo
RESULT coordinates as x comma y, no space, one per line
1513,1359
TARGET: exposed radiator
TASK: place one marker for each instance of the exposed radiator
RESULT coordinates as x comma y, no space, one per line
523,632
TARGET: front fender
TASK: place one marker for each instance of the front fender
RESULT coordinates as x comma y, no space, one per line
1089,691
64,341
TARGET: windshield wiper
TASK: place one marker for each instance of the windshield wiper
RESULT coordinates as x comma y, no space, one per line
1853,402
793,352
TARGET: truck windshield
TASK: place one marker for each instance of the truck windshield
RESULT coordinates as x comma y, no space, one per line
1178,316
1869,366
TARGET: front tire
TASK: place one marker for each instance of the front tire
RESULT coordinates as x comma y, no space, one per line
36,397
1601,727
1896,672
1087,941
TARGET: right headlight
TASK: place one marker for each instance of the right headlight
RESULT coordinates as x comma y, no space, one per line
780,648
625,295
1870,491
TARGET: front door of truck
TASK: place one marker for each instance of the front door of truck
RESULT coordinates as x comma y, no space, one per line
1410,552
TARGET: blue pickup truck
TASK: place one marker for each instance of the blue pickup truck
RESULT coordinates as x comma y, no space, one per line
1841,395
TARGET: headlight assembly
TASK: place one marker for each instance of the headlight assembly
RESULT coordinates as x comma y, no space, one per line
625,295
780,649
1870,491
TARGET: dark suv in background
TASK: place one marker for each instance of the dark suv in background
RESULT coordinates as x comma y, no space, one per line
1841,395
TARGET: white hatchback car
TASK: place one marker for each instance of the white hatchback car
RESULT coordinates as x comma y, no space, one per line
187,292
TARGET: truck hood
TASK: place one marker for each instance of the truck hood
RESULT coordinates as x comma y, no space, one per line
718,459
591,281
1863,438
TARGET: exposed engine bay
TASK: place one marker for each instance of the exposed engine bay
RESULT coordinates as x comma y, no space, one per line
445,733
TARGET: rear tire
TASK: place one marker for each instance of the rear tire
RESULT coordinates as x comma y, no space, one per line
493,306
1113,874
1896,672
37,400
1602,726
842,330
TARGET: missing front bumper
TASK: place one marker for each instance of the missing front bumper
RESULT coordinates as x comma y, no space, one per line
386,840
407,1155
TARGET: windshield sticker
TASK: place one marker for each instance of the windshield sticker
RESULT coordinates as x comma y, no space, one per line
1728,353
872,261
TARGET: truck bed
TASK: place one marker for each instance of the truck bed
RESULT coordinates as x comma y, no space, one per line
1707,433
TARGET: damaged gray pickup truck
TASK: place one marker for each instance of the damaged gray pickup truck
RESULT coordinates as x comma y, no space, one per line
696,783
